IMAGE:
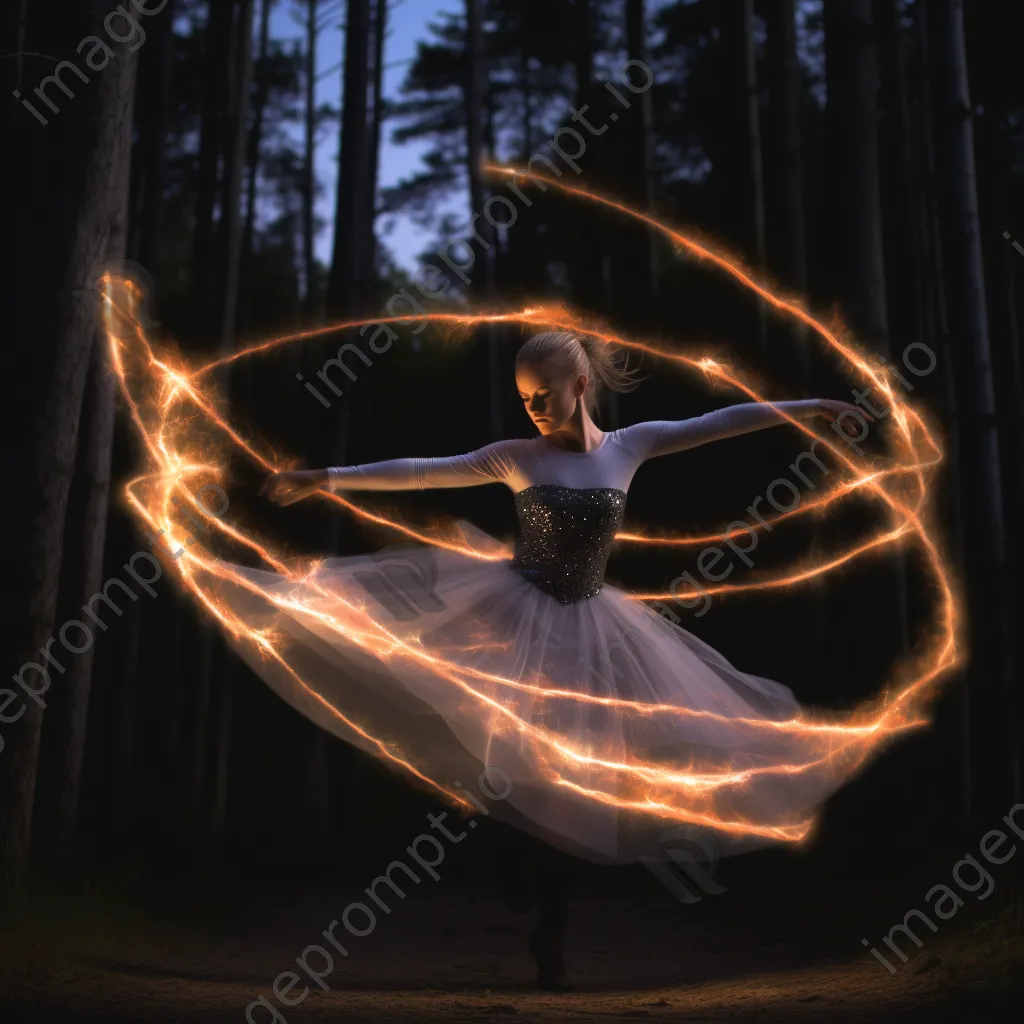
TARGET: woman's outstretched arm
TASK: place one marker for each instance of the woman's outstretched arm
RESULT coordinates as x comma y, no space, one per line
662,437
489,465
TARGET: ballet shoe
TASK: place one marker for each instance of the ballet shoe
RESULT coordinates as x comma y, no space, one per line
551,973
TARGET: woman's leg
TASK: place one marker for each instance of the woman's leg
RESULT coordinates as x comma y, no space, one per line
553,874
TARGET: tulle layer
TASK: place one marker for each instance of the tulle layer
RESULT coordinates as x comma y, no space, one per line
604,726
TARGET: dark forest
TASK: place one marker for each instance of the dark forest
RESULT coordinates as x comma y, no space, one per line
173,834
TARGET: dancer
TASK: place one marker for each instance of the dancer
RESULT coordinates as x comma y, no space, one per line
607,720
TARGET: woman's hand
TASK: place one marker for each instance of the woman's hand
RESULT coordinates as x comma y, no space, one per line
288,488
832,410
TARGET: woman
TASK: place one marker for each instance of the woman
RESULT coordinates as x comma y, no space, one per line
581,696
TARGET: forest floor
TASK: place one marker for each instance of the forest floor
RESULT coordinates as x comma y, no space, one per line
453,952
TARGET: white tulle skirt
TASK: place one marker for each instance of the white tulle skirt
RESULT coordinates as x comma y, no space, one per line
603,727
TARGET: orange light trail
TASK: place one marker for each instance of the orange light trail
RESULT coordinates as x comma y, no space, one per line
159,395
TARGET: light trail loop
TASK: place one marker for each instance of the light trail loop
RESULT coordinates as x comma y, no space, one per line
188,442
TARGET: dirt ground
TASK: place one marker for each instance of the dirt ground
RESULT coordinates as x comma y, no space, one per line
452,952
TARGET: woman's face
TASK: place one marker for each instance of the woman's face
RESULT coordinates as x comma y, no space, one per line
550,391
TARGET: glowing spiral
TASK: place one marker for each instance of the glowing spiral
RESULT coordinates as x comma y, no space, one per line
164,399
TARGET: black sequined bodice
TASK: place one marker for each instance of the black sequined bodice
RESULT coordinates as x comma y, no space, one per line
565,537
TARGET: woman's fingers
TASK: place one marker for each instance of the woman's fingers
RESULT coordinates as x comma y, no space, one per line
288,488
275,487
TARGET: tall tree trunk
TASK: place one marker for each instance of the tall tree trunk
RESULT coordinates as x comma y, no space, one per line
64,731
637,174
858,279
746,191
993,146
636,47
205,287
903,215
937,328
253,165
380,29
222,661
309,156
342,297
63,221
908,314
474,89
366,265
995,728
786,239
590,283
156,64
235,130
784,157
207,254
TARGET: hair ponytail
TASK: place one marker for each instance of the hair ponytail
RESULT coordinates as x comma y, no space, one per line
604,365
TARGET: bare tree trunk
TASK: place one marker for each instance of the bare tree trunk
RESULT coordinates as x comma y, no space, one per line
63,219
640,165
905,245
788,239
474,91
857,278
204,285
937,328
591,281
748,194
230,227
380,29
253,164
64,732
308,169
366,264
220,663
852,132
342,298
156,64
994,725
993,148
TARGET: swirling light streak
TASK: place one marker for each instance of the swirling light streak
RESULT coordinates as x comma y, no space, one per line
906,418
840,745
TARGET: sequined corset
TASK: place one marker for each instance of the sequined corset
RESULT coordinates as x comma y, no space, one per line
565,537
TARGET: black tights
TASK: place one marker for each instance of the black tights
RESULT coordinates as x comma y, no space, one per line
552,885
531,874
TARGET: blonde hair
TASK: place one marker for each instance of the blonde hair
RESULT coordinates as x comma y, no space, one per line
604,365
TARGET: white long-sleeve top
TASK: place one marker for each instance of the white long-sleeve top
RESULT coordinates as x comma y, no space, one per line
525,463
